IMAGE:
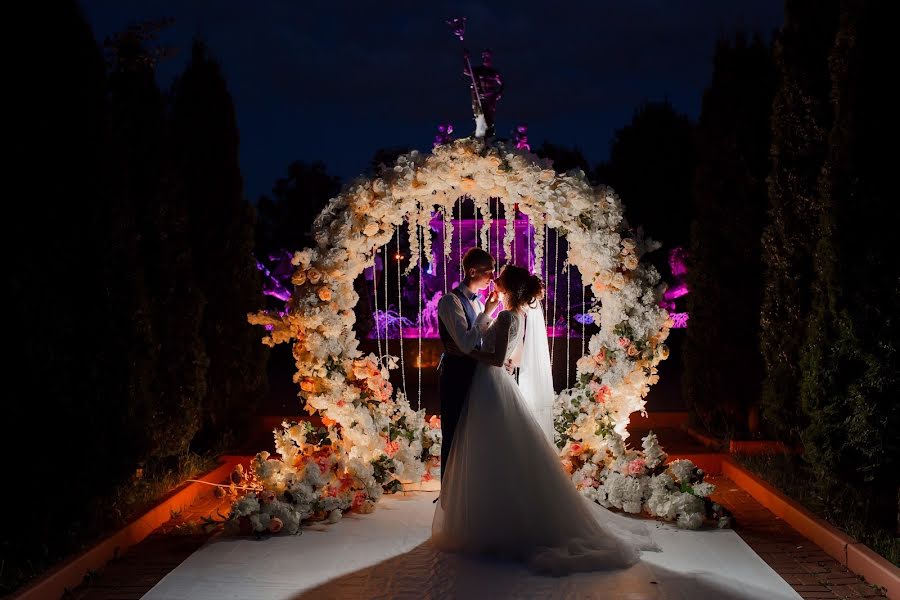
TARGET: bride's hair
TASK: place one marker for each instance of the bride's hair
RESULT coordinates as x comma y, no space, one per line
521,287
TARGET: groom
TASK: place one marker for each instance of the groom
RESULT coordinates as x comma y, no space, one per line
462,320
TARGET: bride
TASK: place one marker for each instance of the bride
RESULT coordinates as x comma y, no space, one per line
504,491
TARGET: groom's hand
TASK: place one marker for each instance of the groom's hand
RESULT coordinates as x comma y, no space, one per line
509,366
493,300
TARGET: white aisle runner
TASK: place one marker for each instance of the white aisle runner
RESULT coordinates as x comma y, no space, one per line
384,555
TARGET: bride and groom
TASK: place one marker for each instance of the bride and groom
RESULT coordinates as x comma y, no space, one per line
503,489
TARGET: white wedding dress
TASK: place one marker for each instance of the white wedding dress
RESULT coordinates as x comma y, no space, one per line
504,491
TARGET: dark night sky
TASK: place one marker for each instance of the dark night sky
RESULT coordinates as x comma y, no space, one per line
336,80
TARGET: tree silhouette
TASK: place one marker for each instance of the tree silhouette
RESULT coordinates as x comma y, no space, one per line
722,364
651,166
286,218
220,229
564,158
63,381
850,361
801,119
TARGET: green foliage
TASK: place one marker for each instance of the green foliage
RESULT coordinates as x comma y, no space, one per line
850,363
221,237
651,166
110,292
286,218
801,119
722,366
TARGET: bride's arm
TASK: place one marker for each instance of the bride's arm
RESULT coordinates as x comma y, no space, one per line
500,328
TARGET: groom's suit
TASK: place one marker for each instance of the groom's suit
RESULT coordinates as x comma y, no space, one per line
461,322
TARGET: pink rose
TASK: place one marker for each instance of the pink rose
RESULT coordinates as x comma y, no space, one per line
275,524
434,422
624,342
636,467
602,393
359,498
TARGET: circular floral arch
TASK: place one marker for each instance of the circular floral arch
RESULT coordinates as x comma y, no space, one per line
375,439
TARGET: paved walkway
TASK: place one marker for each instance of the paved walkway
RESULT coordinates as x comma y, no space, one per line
805,566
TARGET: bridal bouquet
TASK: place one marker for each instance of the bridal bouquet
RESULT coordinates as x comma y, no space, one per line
639,481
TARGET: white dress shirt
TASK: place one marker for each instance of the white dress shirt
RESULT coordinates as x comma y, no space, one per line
453,316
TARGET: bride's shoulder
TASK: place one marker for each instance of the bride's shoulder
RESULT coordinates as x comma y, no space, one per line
508,316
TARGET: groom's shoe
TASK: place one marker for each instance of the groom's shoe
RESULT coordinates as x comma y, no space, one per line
436,499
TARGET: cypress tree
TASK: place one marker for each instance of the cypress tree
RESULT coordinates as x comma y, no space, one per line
723,368
851,369
801,120
221,232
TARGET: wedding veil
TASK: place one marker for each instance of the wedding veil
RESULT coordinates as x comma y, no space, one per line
535,373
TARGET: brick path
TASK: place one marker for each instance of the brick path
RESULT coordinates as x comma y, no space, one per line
805,566
144,565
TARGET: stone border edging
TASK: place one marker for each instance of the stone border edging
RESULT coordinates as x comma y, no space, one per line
856,556
70,574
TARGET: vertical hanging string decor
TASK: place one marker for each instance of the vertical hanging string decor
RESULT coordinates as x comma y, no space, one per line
555,279
568,312
515,234
377,324
490,204
384,275
448,243
421,234
460,227
544,261
477,237
400,315
497,234
583,312
529,251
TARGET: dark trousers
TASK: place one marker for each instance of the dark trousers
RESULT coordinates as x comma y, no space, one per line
454,381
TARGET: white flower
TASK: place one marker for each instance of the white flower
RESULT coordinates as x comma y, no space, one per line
681,470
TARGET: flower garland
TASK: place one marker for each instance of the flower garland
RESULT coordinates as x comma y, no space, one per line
372,441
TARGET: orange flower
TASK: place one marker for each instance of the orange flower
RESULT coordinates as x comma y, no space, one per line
327,422
324,294
602,393
434,422
391,447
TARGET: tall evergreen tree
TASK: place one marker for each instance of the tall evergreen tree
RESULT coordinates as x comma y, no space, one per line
801,120
651,166
221,230
286,218
851,363
723,368
564,158
54,289
135,171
